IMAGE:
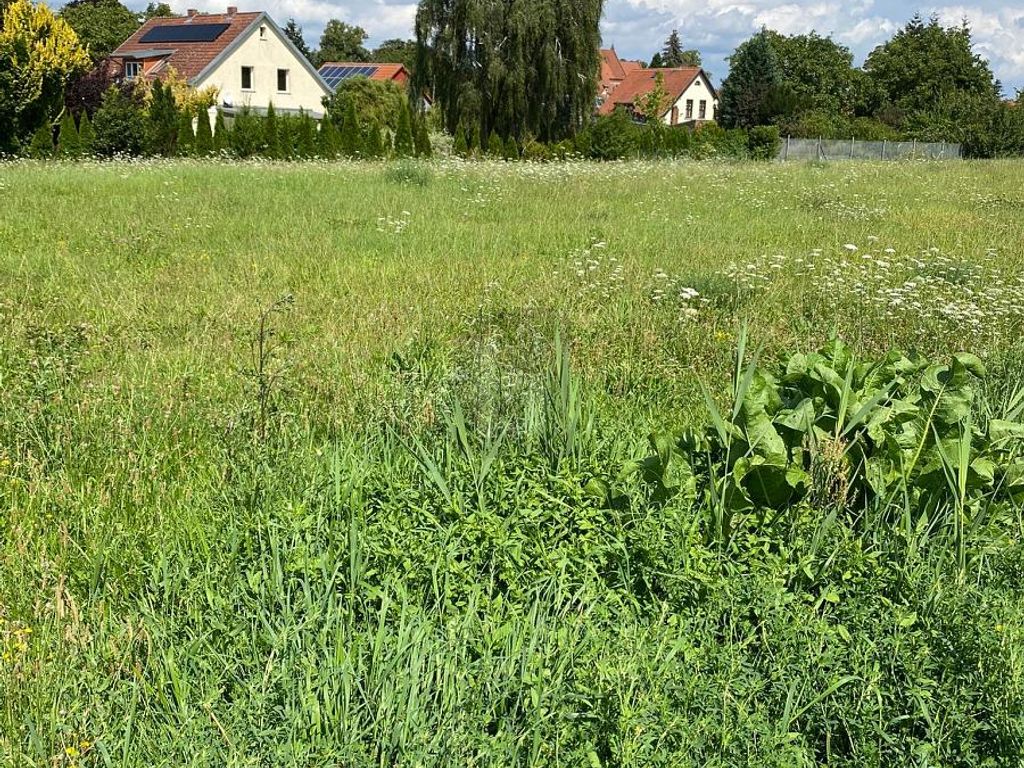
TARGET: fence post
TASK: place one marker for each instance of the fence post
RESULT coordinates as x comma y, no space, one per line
819,148
883,149
785,155
851,147
913,150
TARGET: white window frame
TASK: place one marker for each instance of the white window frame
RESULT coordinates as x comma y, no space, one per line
703,110
252,79
287,80
132,70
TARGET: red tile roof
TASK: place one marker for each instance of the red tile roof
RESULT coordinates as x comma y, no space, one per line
611,66
395,72
187,59
641,81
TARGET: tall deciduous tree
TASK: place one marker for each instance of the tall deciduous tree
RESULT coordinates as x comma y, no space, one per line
673,54
342,42
396,51
925,65
754,81
817,71
517,67
39,54
101,25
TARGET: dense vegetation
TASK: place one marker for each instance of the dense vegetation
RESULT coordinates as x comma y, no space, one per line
345,464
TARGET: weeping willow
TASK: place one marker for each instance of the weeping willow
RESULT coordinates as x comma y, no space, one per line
510,67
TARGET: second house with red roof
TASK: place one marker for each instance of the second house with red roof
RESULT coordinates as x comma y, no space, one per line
691,99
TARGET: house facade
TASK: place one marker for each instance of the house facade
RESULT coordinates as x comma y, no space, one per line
244,56
691,99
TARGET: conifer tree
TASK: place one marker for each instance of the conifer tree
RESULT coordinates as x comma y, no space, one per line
271,134
495,146
221,139
86,135
306,138
351,133
403,134
69,144
755,75
511,149
374,144
328,140
472,140
41,146
204,136
460,146
161,121
421,138
287,137
389,144
186,139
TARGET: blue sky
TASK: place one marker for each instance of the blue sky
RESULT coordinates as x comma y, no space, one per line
637,27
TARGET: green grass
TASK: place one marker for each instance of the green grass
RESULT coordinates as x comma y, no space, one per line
370,543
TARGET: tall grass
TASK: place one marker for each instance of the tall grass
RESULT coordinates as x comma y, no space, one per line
364,531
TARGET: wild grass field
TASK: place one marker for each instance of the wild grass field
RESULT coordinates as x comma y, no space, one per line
409,464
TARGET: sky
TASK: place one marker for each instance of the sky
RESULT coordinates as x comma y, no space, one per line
637,28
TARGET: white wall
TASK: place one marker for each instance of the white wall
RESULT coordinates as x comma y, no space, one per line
266,55
699,90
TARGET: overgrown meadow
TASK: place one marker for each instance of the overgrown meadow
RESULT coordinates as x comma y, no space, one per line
423,464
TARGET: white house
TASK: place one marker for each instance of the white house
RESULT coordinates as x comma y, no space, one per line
245,56
691,98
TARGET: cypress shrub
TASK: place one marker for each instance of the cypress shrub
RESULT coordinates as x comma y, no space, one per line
374,141
421,138
161,121
460,146
511,150
204,136
221,139
329,140
403,135
495,146
271,134
287,137
306,136
69,144
41,146
120,124
186,139
86,135
472,140
247,135
389,144
351,135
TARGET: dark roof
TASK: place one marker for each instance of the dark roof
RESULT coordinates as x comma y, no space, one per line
188,57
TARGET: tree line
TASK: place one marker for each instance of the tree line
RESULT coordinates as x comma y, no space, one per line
525,72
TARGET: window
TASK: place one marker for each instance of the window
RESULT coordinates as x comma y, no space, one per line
689,109
132,69
263,33
703,109
282,81
246,78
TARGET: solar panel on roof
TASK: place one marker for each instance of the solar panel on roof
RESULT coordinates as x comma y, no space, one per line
184,33
333,75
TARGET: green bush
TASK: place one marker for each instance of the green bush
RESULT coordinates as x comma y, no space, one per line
69,144
763,142
204,134
86,135
247,135
120,124
41,147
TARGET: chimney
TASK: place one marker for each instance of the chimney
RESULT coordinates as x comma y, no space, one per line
191,12
232,10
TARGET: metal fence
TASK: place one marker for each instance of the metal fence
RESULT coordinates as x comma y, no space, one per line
851,149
